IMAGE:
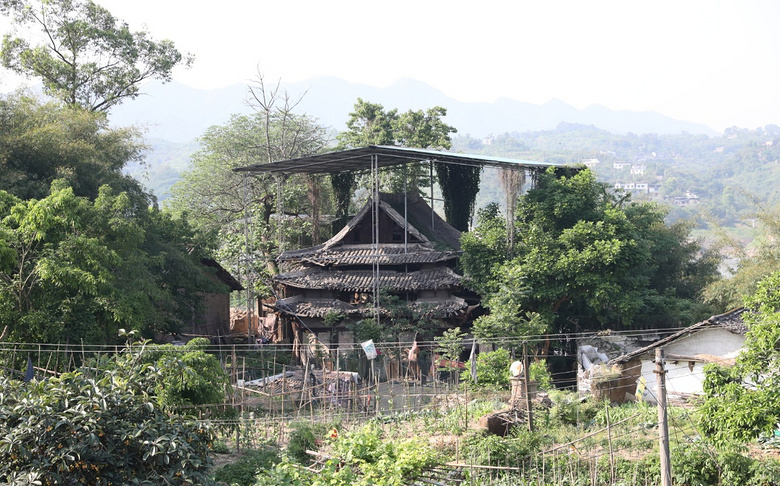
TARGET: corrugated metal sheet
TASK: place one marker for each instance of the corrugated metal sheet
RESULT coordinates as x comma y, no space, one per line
360,159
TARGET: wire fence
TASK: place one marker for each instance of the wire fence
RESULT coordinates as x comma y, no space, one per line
271,390
313,380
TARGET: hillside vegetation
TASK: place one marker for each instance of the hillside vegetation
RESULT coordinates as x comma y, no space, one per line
718,181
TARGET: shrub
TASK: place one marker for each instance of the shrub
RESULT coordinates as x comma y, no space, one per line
304,436
538,371
190,376
78,429
700,466
363,458
764,473
244,471
383,462
492,369
569,409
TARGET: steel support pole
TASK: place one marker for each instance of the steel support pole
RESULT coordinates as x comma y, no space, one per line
430,168
375,231
248,262
406,216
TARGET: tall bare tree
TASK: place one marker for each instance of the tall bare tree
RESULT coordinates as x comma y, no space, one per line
220,200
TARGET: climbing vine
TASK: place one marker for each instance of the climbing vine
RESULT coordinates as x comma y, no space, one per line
459,186
342,183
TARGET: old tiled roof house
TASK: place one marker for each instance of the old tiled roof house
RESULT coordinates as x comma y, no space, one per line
395,244
414,258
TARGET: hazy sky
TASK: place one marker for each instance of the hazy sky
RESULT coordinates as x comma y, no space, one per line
706,61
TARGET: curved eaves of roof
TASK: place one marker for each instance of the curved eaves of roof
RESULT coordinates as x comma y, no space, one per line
363,280
320,308
362,255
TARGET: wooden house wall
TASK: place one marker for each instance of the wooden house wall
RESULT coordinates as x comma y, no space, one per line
215,318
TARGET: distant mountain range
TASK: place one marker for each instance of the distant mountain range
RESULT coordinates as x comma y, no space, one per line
178,113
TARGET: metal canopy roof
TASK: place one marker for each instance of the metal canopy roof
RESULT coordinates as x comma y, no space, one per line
360,159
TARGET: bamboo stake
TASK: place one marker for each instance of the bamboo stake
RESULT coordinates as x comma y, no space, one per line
273,370
48,362
611,453
586,436
284,398
303,387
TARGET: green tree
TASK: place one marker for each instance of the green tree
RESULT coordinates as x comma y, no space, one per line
217,200
755,262
484,248
189,376
492,369
744,401
371,124
82,269
41,142
368,124
88,58
583,255
423,129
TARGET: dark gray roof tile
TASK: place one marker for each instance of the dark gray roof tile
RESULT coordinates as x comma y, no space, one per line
363,280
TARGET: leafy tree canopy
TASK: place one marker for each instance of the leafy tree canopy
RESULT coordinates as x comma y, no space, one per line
41,142
371,124
189,376
744,401
217,200
99,425
88,58
81,269
756,262
584,257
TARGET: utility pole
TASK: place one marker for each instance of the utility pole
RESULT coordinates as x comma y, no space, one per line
663,428
526,382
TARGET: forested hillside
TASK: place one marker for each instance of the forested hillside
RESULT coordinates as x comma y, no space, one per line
721,180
